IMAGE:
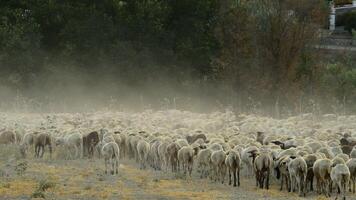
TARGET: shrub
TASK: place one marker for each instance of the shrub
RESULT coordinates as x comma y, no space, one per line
342,2
348,20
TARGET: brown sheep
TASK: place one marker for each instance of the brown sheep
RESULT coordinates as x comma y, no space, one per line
7,137
195,137
40,141
89,143
262,165
172,151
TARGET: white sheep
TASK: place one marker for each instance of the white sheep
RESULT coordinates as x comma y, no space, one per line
233,164
340,175
185,158
111,154
143,149
298,174
218,165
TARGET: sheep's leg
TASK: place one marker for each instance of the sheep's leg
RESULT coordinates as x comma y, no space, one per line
229,176
257,178
291,183
35,151
344,190
353,185
311,182
299,185
282,178
235,176
117,165
106,166
112,166
42,152
238,176
267,179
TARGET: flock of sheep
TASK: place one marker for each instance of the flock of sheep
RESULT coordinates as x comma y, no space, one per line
296,150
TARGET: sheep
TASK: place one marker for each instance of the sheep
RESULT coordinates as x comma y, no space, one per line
262,164
281,168
310,160
345,157
260,137
72,141
162,152
218,165
298,170
182,143
27,141
185,158
203,162
111,154
215,147
353,153
40,141
7,137
247,159
326,151
322,170
143,149
340,174
155,159
172,154
193,138
351,164
233,164
89,143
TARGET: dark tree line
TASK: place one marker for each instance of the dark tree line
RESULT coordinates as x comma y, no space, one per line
255,54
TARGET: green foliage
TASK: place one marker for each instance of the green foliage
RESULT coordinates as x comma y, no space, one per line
348,20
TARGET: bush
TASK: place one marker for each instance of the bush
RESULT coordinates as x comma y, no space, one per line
342,2
43,185
348,20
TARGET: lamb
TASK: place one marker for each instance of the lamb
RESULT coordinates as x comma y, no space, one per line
233,164
143,149
7,137
322,170
89,143
218,165
340,174
298,170
111,154
40,141
351,164
203,162
185,158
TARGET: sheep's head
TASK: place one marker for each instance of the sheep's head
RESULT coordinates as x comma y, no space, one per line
253,154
